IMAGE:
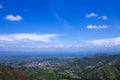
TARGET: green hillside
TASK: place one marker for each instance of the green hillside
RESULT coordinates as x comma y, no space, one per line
103,72
10,73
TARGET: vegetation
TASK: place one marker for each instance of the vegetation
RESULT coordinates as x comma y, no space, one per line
98,67
10,73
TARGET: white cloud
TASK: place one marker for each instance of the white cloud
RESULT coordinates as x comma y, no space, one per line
59,46
106,42
97,26
91,15
103,17
13,18
1,6
95,15
27,37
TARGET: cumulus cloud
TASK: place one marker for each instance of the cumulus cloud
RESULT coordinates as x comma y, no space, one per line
91,15
97,26
103,17
1,6
13,18
96,15
27,37
106,42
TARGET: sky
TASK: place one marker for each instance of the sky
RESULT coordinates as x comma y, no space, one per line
60,25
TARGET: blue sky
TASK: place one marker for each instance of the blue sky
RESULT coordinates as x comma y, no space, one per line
59,25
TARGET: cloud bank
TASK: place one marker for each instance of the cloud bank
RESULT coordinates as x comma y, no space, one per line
106,42
28,37
46,42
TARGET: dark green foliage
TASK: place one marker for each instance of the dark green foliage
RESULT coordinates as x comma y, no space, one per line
10,73
45,74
